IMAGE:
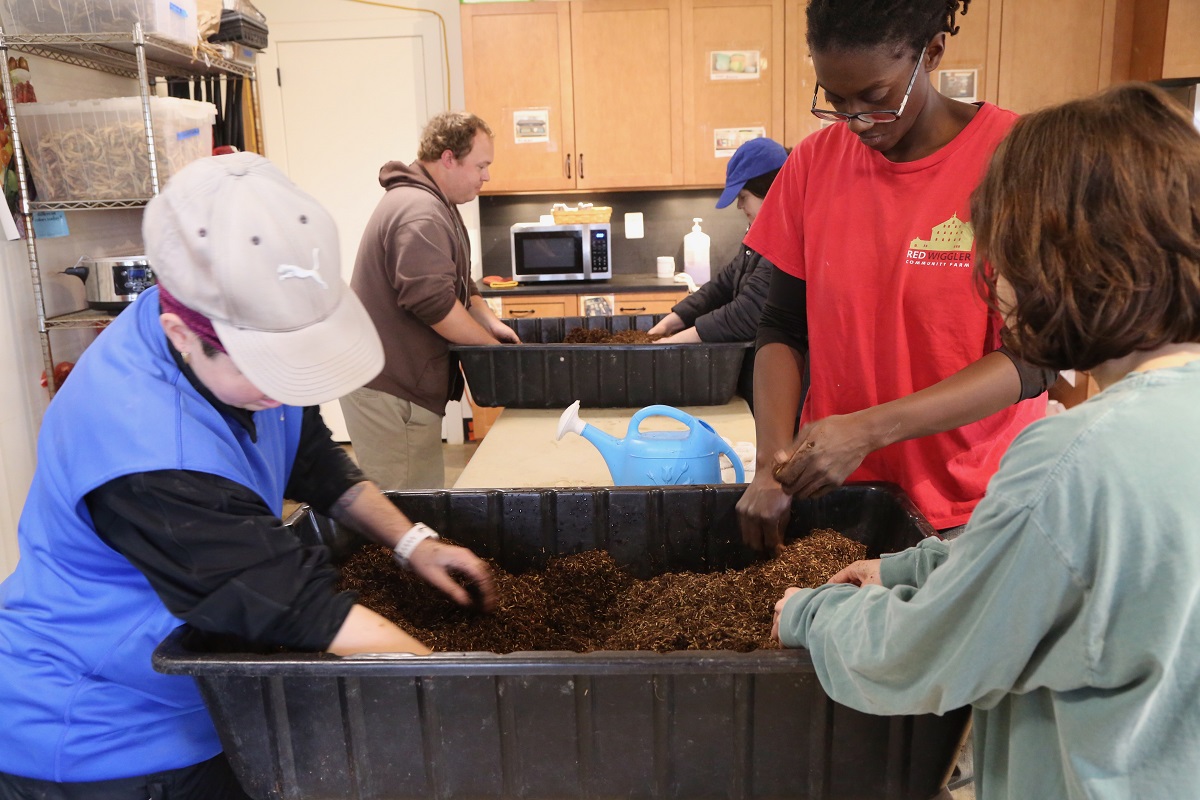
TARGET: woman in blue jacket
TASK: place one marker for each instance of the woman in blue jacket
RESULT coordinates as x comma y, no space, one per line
163,464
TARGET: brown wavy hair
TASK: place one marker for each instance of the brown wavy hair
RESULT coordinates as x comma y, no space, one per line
450,130
1091,211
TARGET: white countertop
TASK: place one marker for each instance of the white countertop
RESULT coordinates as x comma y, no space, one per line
519,451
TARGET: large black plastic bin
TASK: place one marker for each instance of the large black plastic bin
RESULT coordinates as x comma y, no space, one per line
555,725
542,372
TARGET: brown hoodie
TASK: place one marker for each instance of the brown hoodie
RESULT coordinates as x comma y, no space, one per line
414,261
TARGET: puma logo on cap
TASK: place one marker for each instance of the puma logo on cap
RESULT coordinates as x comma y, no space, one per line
292,271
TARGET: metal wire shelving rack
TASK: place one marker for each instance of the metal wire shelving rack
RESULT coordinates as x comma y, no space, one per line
145,57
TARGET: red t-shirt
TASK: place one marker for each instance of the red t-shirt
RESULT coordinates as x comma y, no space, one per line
885,250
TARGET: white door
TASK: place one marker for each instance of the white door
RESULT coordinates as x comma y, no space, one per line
336,108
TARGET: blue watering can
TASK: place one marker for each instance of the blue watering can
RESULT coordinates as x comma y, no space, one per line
658,458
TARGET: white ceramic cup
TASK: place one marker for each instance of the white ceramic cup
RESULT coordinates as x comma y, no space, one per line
666,266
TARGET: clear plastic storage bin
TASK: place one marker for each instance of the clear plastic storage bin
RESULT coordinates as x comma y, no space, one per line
96,149
174,19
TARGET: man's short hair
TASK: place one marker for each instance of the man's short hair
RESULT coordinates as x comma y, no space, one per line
451,130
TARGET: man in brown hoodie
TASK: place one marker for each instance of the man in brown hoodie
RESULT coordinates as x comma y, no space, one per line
413,275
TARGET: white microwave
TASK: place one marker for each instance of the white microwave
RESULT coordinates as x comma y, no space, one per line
579,252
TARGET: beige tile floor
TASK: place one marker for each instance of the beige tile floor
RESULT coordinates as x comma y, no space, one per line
456,458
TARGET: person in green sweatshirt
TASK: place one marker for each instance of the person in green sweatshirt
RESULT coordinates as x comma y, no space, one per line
1067,614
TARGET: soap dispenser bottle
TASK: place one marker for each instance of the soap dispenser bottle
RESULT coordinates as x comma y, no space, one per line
695,253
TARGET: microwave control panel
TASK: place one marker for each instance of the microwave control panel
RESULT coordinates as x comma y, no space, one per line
600,250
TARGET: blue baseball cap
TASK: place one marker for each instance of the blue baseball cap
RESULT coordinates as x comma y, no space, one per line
755,157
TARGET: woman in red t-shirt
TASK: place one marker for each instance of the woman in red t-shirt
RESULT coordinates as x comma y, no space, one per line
868,226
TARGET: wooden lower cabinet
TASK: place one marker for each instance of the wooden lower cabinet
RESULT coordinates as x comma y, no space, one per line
547,305
567,305
646,302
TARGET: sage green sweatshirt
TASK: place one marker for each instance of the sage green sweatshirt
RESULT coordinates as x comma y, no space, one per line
1067,614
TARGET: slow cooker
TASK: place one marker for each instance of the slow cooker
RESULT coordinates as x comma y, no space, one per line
110,284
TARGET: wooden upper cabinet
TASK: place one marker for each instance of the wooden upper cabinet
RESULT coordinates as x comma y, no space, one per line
718,97
799,77
626,62
1181,45
1164,40
605,74
975,47
1053,52
517,57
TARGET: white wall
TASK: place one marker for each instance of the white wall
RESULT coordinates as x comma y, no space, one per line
98,233
327,17
296,12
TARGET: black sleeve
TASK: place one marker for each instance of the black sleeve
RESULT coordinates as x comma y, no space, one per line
219,558
713,294
1034,380
322,471
785,316
737,320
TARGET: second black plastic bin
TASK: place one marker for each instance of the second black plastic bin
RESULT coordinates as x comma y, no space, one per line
699,724
542,372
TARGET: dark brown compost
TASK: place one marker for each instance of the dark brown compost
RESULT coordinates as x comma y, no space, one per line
585,602
601,336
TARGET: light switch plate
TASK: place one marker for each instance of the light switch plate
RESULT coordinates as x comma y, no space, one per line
634,226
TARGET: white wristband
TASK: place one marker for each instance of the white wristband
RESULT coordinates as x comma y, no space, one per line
409,541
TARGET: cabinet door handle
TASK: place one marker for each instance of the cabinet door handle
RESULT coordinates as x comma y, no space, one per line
629,310
513,312
581,166
568,166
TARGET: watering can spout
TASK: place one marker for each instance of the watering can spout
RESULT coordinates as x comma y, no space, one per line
611,448
569,422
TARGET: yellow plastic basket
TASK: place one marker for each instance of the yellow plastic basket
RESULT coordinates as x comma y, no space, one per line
569,216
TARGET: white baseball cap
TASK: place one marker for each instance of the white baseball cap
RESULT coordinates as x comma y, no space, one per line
232,238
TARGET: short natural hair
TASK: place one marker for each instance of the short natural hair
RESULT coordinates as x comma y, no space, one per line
1091,211
857,24
450,130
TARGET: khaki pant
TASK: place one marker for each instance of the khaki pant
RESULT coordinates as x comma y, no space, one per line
398,444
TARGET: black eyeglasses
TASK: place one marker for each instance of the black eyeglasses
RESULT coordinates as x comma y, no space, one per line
868,116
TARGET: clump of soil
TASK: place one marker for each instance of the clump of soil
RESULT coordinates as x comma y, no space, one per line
585,602
601,336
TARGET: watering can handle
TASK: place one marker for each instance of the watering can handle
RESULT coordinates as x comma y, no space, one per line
693,424
739,473
660,411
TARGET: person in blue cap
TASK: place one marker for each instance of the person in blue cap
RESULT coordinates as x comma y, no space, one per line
727,308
